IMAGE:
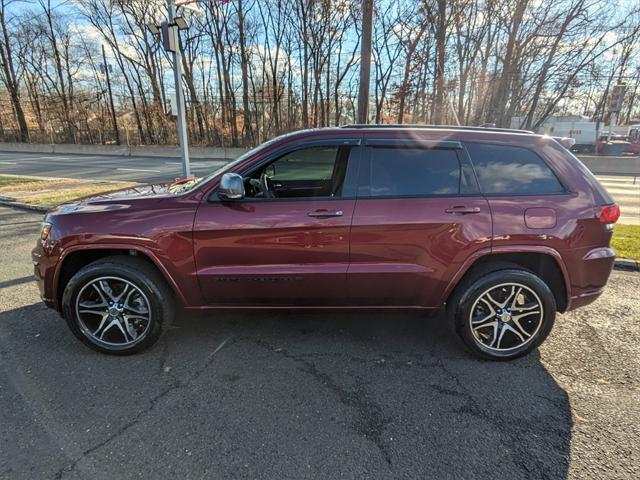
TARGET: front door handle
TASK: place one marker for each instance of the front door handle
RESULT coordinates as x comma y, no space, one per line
325,213
462,210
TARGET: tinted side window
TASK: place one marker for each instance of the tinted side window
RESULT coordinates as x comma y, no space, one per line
413,172
505,169
310,172
315,163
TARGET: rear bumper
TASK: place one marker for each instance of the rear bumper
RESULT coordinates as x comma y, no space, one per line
584,299
589,273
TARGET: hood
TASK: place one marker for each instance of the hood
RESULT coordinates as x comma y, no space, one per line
120,198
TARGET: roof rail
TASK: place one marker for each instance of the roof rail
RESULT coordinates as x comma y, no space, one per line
437,127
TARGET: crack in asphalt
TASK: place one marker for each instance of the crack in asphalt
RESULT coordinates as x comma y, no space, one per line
174,386
370,421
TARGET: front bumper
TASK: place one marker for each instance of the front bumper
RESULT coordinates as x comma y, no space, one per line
44,268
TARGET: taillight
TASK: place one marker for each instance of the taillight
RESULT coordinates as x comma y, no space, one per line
608,214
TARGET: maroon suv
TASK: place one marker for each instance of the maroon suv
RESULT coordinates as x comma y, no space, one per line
503,227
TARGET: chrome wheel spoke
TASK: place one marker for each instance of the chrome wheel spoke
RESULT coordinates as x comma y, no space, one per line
92,304
102,322
107,328
525,307
502,330
492,312
101,293
118,324
515,298
520,329
135,310
492,300
124,290
526,314
131,308
482,321
509,328
93,312
106,290
93,308
494,325
511,295
130,329
503,303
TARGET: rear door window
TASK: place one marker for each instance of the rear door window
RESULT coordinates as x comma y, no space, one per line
410,172
510,170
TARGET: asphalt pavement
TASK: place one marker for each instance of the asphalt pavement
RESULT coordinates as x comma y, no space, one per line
324,395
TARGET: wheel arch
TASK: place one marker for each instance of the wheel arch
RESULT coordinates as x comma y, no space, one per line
545,262
75,258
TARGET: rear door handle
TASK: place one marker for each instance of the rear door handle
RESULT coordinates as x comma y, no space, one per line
325,213
463,210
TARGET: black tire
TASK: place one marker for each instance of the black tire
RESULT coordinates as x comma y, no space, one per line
468,301
157,297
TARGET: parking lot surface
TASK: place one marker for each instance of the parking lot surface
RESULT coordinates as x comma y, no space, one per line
322,395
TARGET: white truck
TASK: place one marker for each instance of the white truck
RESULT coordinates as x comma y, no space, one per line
580,128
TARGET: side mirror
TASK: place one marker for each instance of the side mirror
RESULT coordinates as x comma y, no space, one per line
231,187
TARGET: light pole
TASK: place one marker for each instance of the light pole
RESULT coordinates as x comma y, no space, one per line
365,61
177,75
615,105
170,38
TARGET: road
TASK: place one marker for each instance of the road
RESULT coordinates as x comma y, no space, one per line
294,396
626,191
102,167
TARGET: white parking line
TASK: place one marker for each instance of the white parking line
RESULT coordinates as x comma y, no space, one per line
53,158
173,163
137,170
8,163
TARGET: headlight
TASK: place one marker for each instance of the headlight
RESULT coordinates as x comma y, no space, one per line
45,229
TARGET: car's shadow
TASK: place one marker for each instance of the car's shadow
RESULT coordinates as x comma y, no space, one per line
292,395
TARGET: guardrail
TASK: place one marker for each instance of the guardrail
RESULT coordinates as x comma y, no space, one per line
123,151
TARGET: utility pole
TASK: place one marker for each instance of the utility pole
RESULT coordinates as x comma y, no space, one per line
116,132
616,100
177,74
365,61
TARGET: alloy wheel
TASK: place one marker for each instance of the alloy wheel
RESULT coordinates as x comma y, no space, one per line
113,312
506,317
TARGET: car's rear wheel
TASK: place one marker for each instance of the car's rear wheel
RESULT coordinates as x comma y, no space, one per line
117,305
504,314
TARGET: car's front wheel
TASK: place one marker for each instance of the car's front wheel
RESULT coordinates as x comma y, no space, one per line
504,314
117,305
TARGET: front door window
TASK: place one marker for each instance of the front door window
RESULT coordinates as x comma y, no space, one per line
314,172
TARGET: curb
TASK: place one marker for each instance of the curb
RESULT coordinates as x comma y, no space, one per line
626,265
8,202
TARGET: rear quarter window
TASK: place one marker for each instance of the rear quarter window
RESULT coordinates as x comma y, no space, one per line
511,170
